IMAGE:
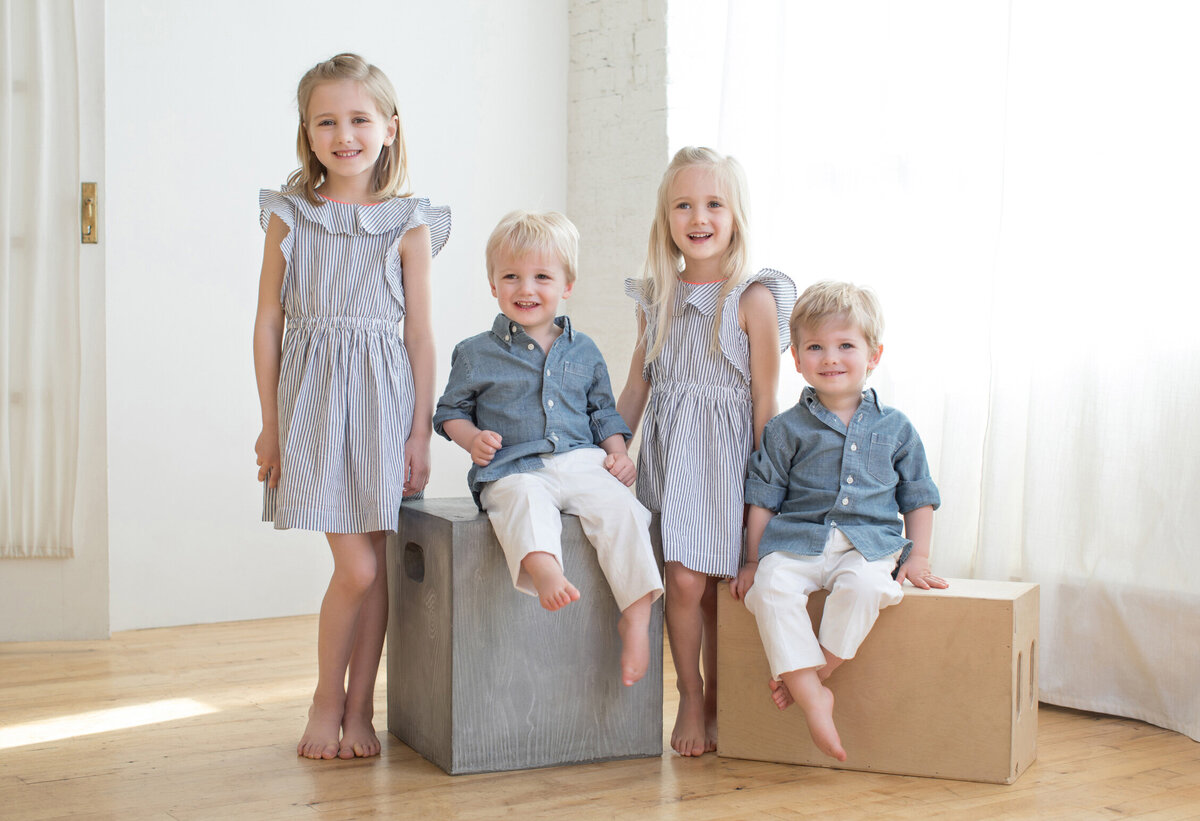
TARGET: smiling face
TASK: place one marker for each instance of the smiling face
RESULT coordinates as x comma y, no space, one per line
701,222
835,359
529,287
347,133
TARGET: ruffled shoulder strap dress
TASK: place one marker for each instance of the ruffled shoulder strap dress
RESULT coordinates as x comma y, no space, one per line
697,430
345,385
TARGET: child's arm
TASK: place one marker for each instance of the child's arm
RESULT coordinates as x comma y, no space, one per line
481,444
756,313
416,258
756,523
632,403
268,342
618,462
918,527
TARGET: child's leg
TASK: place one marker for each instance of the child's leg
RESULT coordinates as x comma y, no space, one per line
858,590
358,733
779,602
525,516
685,630
354,572
619,528
816,700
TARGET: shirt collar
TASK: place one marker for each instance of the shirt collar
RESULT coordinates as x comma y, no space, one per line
505,329
870,400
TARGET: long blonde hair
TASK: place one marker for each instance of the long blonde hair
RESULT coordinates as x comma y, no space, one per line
664,259
391,169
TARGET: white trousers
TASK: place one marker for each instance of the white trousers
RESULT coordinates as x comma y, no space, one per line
858,590
524,510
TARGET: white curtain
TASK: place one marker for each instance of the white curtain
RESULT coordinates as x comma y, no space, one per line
1020,181
39,295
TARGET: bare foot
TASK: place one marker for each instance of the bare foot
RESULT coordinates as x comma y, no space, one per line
554,591
320,739
818,712
780,695
688,737
634,628
358,737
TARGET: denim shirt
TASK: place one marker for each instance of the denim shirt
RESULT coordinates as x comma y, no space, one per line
539,403
818,473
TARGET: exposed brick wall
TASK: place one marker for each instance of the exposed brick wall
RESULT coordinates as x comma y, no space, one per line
616,152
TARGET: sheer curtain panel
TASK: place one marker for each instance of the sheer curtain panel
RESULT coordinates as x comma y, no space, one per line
39,295
1018,182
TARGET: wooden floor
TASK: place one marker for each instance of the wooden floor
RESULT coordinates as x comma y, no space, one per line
201,723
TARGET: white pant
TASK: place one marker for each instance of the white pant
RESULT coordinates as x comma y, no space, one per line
524,510
859,589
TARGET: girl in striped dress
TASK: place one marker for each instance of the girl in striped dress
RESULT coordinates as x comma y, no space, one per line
704,374
347,396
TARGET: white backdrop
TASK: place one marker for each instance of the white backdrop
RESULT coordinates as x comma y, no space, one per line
1018,181
200,115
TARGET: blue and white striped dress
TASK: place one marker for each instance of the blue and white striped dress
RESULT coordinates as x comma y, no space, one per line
345,385
697,432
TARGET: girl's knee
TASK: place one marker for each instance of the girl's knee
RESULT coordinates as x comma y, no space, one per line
685,583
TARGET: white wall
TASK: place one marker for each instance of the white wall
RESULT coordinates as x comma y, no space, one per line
68,598
200,103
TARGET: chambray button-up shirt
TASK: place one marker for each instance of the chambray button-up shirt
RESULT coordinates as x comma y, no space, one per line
817,473
539,403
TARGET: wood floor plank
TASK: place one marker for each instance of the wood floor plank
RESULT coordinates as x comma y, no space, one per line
250,684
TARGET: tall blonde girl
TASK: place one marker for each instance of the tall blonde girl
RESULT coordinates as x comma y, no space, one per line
347,391
702,385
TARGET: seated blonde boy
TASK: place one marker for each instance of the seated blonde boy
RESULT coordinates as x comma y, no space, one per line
530,400
827,489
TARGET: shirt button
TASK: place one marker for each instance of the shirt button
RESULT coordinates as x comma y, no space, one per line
849,480
547,371
554,436
845,501
530,346
507,338
512,328
550,403
833,524
853,446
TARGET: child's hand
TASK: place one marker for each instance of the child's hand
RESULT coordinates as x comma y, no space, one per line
621,466
743,581
416,464
919,573
267,451
484,447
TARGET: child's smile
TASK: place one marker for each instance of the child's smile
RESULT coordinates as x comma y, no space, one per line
528,289
701,222
347,132
835,359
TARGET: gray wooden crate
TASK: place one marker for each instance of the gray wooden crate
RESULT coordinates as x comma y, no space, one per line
481,679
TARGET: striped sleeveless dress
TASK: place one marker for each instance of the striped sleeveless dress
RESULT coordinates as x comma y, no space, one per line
345,385
697,432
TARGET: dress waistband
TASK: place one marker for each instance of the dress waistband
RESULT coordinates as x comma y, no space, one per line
724,392
348,323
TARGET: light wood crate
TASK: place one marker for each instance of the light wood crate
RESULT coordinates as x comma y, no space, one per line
944,686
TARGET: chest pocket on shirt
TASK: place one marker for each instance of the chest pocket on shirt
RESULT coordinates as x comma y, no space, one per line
577,374
879,459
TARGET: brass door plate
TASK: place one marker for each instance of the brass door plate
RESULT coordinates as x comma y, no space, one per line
87,216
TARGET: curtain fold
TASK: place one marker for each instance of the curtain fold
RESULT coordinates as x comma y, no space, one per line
1018,182
39,294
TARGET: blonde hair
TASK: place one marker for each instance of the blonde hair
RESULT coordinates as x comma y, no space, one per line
828,300
664,259
391,168
521,233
